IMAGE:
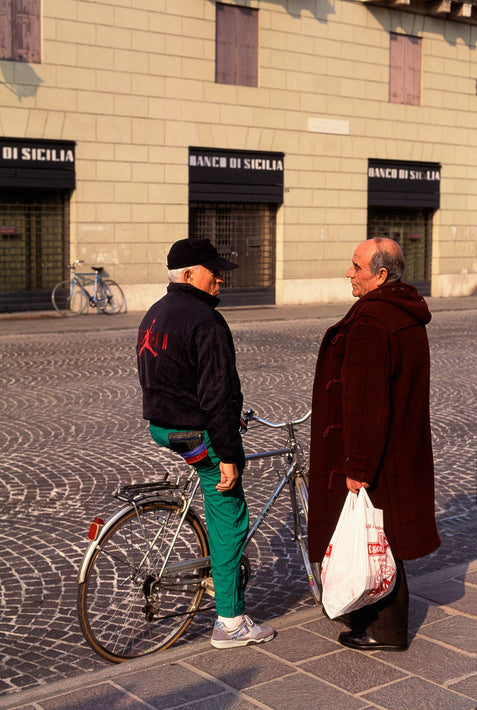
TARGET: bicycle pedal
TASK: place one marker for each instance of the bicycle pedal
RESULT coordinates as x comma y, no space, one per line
208,584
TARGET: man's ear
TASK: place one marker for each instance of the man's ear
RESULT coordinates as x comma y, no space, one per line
382,276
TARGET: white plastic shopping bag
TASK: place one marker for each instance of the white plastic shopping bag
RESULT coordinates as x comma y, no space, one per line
358,567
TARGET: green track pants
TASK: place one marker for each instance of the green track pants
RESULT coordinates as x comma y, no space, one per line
226,515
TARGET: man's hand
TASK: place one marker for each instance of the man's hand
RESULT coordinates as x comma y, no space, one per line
243,425
354,486
229,476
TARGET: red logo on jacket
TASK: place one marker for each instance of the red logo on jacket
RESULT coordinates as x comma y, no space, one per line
149,340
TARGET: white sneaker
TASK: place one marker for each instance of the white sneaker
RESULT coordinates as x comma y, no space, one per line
247,632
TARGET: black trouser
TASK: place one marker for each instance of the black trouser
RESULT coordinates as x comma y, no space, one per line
386,621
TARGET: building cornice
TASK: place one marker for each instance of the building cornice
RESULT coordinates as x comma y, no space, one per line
455,10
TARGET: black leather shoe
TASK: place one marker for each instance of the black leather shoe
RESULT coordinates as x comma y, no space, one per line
362,642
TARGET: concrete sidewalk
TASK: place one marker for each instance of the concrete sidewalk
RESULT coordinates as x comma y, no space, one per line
303,667
50,321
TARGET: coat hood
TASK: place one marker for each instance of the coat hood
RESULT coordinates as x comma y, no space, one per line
397,304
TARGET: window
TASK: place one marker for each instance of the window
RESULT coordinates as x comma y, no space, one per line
405,70
236,45
412,230
34,233
245,233
20,37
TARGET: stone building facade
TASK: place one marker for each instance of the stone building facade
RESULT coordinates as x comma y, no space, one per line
285,130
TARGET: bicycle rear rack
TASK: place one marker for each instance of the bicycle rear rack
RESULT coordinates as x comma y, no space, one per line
136,491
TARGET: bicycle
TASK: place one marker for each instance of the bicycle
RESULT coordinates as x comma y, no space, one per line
71,297
146,569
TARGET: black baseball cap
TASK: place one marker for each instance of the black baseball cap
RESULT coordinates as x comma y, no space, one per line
195,252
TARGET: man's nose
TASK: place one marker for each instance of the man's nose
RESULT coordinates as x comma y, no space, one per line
350,272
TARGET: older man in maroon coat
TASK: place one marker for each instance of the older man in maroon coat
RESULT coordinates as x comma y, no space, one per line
371,427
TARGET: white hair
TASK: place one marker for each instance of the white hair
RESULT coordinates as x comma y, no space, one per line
176,275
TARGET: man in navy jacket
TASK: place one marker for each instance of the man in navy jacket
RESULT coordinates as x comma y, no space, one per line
187,371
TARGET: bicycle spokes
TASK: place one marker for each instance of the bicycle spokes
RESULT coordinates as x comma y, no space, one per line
129,605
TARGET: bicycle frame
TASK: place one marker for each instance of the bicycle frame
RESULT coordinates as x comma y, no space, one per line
290,451
77,280
72,296
187,498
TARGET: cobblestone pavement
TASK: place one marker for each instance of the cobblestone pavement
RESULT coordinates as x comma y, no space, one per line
71,431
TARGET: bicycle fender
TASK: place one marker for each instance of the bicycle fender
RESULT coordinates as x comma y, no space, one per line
93,546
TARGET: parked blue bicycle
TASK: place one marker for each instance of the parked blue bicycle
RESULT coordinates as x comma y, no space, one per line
73,296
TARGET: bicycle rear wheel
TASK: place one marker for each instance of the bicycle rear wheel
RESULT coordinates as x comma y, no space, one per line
110,297
124,610
69,299
299,493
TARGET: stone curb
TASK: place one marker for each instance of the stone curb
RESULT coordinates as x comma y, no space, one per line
417,586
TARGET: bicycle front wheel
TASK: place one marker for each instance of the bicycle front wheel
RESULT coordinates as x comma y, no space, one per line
299,493
125,609
110,297
69,299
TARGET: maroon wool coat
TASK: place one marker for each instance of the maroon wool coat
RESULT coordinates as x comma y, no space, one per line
370,421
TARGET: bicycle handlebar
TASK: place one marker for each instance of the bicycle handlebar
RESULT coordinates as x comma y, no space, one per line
250,415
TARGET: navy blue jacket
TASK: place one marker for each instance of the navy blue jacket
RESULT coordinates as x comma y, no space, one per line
187,370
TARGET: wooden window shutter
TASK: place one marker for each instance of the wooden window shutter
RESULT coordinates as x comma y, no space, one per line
26,34
396,72
6,29
225,45
236,45
413,71
405,70
247,47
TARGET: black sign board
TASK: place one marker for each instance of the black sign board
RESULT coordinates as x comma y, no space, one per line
217,175
38,164
398,183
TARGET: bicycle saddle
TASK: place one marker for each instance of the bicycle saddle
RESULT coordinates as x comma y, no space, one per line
99,269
